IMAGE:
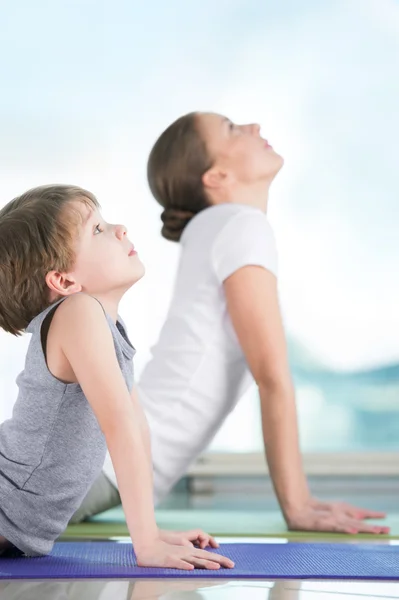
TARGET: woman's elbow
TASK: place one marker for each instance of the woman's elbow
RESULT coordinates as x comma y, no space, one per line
275,383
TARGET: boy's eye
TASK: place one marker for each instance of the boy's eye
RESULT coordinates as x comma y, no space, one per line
98,229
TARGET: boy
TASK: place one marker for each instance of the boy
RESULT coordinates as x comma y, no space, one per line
63,272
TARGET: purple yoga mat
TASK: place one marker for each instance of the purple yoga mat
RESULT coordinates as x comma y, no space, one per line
85,560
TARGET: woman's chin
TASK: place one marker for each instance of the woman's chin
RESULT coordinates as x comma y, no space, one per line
278,164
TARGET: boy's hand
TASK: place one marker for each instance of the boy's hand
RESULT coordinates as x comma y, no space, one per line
161,554
194,537
337,517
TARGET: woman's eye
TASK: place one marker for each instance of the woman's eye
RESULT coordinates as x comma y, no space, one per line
98,229
235,128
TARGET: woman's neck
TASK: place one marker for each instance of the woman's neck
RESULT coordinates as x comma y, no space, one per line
256,195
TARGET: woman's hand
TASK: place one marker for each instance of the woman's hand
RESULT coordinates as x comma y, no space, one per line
160,554
337,517
194,537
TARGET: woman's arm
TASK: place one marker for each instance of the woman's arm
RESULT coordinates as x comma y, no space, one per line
86,341
252,301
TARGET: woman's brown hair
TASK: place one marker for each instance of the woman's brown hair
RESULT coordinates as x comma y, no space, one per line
176,164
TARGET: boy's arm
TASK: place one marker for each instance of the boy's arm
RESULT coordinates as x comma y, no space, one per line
86,341
142,420
181,538
87,344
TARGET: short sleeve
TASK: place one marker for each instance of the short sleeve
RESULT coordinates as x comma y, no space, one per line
246,239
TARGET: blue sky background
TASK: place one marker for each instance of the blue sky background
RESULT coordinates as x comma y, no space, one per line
88,85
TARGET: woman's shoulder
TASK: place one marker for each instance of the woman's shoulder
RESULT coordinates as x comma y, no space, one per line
246,239
217,218
248,222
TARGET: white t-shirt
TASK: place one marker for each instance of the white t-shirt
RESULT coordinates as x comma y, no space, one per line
198,371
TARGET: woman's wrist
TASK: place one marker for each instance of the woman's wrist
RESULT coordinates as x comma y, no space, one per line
294,506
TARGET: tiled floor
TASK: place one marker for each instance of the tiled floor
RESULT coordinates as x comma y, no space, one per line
202,589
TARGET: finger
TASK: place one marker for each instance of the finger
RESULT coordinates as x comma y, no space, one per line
372,514
200,563
377,529
341,509
203,543
213,543
354,526
208,539
205,540
375,515
177,563
194,533
222,560
186,542
357,512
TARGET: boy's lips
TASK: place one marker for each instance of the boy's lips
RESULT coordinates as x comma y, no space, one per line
132,251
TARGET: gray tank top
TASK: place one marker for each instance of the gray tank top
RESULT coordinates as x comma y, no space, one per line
52,449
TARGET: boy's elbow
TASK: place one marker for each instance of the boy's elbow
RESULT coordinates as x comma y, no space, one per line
116,422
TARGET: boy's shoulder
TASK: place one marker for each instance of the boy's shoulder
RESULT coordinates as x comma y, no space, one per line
80,300
77,311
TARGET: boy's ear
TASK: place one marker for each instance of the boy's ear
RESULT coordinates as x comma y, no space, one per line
63,284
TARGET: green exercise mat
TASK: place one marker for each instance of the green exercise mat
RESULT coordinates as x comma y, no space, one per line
216,522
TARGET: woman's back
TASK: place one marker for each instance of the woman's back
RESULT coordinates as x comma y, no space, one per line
198,371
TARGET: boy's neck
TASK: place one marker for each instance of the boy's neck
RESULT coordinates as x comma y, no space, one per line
110,304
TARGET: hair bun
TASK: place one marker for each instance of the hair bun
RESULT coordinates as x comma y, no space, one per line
174,221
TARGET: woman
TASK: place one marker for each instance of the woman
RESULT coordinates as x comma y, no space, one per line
224,327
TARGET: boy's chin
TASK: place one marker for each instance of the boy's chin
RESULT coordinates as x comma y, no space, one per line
138,274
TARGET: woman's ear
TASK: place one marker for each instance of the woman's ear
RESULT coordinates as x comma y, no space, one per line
215,178
63,284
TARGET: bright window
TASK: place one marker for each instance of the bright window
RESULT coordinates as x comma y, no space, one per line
87,87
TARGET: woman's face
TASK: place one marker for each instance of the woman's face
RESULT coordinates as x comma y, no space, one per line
238,150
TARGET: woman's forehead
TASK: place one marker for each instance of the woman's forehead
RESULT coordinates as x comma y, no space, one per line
213,123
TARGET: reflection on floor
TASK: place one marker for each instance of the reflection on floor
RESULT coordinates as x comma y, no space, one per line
200,589
197,590
255,493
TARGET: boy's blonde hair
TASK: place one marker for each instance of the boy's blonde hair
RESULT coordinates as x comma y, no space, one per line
38,234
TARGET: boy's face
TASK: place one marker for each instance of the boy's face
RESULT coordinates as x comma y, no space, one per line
106,261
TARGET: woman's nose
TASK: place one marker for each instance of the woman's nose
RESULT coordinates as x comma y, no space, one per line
120,231
252,128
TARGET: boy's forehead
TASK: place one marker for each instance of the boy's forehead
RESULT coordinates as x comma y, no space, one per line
87,211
